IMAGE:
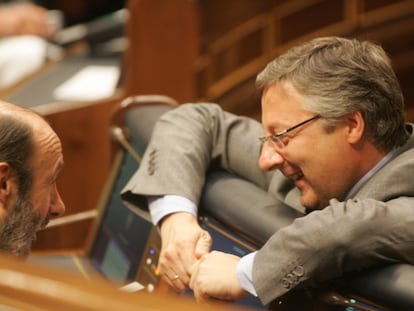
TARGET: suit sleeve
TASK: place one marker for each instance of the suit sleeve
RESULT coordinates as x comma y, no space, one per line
186,142
343,237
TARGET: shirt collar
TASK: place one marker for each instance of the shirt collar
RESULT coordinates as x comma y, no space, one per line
370,173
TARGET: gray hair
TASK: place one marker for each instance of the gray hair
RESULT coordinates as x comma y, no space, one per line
339,76
16,148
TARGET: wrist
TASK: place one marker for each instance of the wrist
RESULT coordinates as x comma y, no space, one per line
178,217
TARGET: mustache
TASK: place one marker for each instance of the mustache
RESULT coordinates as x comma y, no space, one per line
45,222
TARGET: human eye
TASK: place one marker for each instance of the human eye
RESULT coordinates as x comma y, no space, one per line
282,139
277,140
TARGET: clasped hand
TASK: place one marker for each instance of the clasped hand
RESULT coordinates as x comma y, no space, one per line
186,261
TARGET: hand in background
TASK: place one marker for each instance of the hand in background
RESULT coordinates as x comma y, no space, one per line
24,19
183,243
214,276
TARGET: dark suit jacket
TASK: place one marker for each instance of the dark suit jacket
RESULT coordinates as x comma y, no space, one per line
373,228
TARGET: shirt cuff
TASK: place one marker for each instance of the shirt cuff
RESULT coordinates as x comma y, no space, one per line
161,206
245,273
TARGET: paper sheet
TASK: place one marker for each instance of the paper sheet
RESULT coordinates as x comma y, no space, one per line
91,83
132,287
19,57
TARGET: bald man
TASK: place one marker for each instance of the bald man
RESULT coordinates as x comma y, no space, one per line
30,161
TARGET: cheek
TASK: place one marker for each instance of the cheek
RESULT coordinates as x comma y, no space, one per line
323,165
319,161
41,202
326,176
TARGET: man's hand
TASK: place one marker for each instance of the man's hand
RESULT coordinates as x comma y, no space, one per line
214,276
183,243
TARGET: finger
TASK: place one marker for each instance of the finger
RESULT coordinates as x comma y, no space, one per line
188,260
169,263
203,245
199,296
194,274
171,266
176,283
191,254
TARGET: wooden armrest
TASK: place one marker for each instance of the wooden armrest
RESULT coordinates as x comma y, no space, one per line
69,219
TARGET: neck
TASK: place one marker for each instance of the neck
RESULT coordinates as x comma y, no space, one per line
371,158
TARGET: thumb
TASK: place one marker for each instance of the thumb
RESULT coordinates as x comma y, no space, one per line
203,244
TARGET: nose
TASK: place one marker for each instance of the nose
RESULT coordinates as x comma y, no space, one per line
269,158
58,207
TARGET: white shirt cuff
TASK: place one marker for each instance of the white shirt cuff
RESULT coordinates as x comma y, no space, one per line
161,206
245,273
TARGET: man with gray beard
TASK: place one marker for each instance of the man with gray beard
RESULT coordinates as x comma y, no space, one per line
30,161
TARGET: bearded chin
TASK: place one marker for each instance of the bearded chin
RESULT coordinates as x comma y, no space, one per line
19,228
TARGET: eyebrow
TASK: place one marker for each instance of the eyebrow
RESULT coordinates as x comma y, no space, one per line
59,167
56,172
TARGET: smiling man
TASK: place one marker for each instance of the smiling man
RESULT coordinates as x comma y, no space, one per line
30,161
333,144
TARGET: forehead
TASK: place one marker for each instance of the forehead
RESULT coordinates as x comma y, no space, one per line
48,148
282,105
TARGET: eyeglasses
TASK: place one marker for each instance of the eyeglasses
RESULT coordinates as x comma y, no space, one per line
279,140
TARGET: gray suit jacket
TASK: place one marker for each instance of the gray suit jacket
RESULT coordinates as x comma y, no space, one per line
372,228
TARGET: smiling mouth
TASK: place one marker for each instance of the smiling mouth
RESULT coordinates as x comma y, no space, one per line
297,176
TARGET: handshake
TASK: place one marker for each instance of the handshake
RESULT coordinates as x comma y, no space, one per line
186,261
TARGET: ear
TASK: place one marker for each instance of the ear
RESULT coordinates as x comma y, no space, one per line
5,188
355,127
